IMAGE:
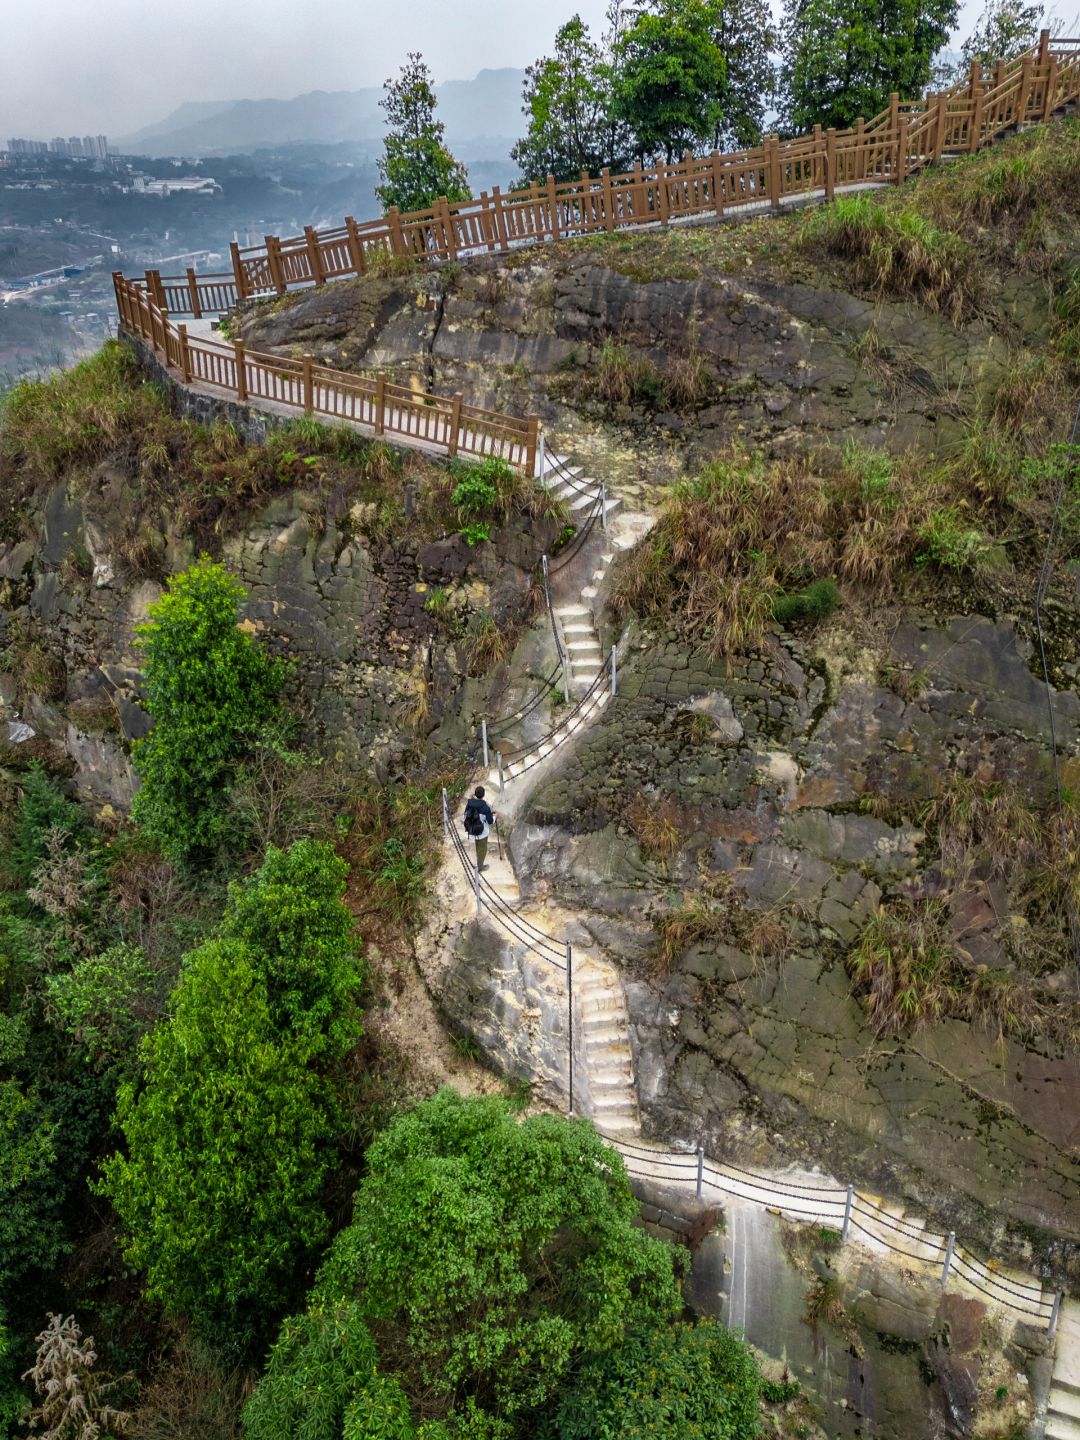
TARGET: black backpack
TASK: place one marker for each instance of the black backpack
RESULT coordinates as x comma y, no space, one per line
473,821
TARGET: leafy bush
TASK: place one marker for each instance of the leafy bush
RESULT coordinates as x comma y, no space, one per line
665,1381
949,542
487,1254
229,1139
896,251
105,1002
210,689
815,601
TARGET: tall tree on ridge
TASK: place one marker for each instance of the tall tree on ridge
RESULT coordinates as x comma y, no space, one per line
842,58
416,168
568,101
746,37
671,81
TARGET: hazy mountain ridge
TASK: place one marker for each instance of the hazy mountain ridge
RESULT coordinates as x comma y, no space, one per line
486,109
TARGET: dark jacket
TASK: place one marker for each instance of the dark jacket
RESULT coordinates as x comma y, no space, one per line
480,807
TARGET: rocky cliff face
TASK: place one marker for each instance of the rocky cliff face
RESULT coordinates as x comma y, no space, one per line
796,783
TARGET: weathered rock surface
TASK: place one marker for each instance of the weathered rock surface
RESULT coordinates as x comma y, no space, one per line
807,796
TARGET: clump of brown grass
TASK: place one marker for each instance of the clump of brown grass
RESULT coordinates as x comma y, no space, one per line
487,643
621,377
747,530
687,380
655,822
969,814
719,914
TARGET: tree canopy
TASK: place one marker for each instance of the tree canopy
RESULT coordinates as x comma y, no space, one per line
229,1140
416,166
671,77
210,689
568,101
843,58
487,1255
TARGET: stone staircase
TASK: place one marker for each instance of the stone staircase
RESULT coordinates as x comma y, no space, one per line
1063,1405
610,1090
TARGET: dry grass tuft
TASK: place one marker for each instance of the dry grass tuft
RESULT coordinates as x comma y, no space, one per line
655,822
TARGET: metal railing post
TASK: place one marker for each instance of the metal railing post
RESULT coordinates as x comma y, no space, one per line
445,814
484,739
603,506
614,673
1054,1313
948,1256
502,777
543,457
547,581
700,1167
847,1212
570,1025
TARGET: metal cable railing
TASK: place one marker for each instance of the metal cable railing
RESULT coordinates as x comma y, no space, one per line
526,709
600,682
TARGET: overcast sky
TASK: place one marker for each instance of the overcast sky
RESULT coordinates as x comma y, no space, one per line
68,67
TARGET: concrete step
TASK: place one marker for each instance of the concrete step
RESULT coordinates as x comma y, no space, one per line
579,627
1064,1401
572,612
603,1033
1061,1427
589,592
582,646
611,1086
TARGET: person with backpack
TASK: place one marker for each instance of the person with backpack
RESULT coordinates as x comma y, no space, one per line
478,823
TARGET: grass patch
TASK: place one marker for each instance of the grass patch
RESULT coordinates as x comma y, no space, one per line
655,822
896,251
718,914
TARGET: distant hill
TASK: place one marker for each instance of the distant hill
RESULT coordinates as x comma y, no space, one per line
485,111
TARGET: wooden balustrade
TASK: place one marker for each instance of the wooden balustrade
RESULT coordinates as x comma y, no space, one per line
903,138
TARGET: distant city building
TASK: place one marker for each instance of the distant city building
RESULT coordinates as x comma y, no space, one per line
191,184
75,147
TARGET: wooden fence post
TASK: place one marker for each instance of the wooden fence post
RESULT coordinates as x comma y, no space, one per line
500,218
121,298
397,238
530,445
185,355
273,260
1025,91
241,374
380,403
717,185
860,149
899,166
819,157
455,424
975,118
1050,86
157,290
193,294
553,210
239,273
940,122
314,256
309,387
772,168
1044,47
449,234
356,246
830,163
608,200
486,223
662,193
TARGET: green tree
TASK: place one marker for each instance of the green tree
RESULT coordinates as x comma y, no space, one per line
493,1254
671,78
1005,29
746,38
843,58
568,99
105,1002
14,1403
663,1383
416,167
210,689
230,1138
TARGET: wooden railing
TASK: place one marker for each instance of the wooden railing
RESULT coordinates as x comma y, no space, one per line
886,149
370,403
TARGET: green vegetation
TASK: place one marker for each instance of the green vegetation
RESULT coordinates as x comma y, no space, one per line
219,1212
487,1256
211,690
416,167
666,1382
815,601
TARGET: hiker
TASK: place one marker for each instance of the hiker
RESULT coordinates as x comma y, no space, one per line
478,823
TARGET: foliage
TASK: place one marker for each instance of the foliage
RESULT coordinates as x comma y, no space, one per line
567,99
43,810
813,602
665,1381
843,58
655,821
950,542
32,1235
670,86
210,689
75,418
228,1141
13,1402
1006,28
745,36
487,1254
105,1002
416,168
73,1401
898,252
